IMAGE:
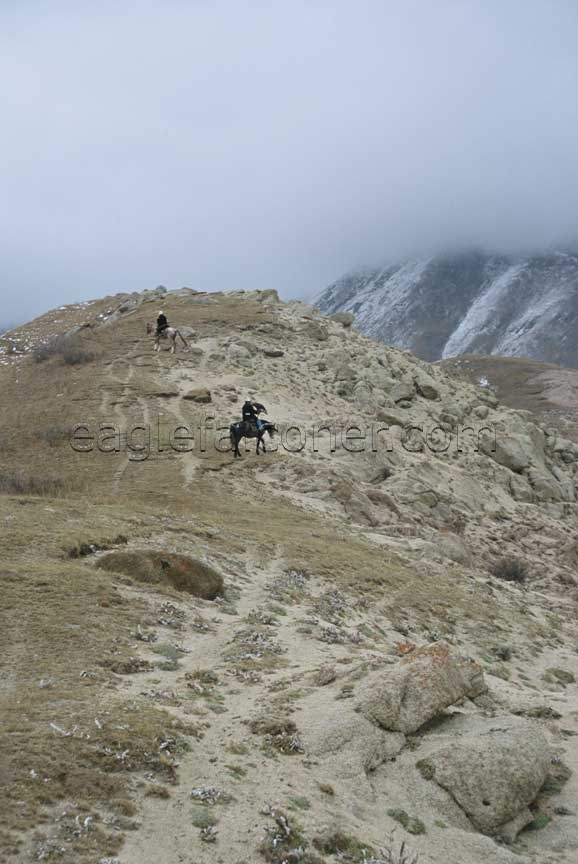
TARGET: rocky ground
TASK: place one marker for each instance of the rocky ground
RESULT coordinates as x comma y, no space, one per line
357,650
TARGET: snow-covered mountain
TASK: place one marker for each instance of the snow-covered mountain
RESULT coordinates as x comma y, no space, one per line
468,303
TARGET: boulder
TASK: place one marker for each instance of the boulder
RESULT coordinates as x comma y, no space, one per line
391,417
356,504
128,306
349,744
382,499
315,331
418,688
512,453
545,488
453,547
346,319
411,491
426,386
199,394
273,352
489,398
453,411
493,775
403,391
521,490
345,373
268,296
155,292
240,354
565,449
363,396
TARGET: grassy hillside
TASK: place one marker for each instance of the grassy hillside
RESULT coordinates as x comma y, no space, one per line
123,696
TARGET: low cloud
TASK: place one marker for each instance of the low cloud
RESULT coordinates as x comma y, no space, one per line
227,145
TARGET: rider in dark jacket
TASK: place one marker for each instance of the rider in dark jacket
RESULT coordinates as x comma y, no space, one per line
162,323
251,412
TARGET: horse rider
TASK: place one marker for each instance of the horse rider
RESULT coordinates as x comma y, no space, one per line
162,323
251,411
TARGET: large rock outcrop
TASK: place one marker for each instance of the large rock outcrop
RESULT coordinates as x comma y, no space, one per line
349,744
421,686
493,775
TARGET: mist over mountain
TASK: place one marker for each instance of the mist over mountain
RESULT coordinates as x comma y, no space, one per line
471,302
268,145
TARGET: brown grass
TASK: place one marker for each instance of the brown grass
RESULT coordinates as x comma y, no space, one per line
21,482
54,637
179,571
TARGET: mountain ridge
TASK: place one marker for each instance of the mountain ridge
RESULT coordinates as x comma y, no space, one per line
469,302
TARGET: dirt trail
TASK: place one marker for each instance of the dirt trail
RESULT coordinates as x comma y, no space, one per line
167,831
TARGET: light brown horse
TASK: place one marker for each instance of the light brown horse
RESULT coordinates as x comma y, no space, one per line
169,333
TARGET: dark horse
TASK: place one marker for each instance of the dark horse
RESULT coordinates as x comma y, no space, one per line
248,430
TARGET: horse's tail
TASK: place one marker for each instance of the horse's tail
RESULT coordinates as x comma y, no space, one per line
181,337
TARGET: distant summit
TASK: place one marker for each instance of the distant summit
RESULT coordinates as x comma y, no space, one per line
472,302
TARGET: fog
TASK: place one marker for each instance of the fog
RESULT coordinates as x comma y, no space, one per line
223,144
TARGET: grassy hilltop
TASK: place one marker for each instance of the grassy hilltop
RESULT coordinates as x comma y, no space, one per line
189,642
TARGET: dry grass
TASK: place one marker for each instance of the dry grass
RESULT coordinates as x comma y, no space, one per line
68,350
68,624
179,571
510,570
21,482
66,735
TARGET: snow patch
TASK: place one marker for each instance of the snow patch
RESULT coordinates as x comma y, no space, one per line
481,314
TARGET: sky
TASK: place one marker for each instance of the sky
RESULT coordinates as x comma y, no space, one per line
242,144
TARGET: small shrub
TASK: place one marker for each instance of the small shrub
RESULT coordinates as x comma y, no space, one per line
344,847
285,842
541,821
237,749
46,350
19,482
155,791
510,570
394,854
203,817
299,802
67,349
82,550
237,771
279,734
74,356
412,824
502,652
51,435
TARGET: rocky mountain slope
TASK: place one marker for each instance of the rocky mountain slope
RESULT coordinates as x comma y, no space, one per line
317,654
468,303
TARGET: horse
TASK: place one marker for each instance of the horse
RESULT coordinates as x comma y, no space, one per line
169,333
242,430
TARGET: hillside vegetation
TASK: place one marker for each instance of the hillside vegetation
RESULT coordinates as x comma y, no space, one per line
306,656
